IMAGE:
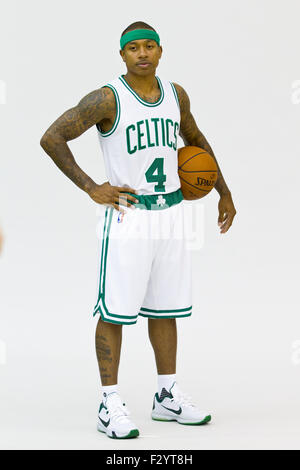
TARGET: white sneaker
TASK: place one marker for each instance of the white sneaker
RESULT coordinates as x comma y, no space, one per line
173,405
113,418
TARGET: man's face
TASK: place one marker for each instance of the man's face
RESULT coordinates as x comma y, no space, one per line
141,56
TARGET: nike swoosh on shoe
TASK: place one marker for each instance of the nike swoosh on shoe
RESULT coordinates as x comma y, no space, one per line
178,412
105,423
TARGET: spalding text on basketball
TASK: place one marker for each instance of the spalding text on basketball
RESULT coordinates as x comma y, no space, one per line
204,182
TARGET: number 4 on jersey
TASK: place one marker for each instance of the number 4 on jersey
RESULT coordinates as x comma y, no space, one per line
159,177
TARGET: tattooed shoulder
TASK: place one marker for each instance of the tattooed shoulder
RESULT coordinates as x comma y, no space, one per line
98,105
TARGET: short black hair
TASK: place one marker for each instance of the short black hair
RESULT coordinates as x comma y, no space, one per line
137,25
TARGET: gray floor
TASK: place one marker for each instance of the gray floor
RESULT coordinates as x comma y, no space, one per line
230,430
57,411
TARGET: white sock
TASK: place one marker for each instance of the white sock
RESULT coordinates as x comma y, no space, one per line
107,389
165,381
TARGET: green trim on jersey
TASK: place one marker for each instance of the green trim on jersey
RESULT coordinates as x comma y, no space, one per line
175,313
157,201
166,311
100,305
175,94
108,319
102,252
165,316
162,93
118,113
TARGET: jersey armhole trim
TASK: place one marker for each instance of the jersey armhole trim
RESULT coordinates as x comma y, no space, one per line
175,94
118,113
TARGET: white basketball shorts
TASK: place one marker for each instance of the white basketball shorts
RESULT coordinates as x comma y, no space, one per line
144,265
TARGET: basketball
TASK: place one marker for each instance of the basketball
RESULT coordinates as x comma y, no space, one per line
197,171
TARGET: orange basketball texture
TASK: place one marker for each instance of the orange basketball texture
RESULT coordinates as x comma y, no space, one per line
197,170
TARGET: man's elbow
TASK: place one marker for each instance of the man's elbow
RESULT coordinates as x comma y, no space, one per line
50,140
44,142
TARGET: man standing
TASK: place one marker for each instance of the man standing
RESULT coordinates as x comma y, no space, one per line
138,118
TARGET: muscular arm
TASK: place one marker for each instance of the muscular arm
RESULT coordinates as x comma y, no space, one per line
95,107
191,135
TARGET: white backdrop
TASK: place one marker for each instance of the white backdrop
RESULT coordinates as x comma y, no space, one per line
239,353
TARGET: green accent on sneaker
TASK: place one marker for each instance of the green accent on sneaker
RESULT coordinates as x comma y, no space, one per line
204,421
207,419
133,433
102,406
105,423
161,419
160,400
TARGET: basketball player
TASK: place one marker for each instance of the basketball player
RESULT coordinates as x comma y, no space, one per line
138,118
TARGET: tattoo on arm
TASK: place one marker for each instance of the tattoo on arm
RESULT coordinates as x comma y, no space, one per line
191,135
92,109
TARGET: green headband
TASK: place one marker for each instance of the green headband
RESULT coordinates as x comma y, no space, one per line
139,34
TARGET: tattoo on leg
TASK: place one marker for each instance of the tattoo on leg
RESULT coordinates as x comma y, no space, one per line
105,376
103,354
102,349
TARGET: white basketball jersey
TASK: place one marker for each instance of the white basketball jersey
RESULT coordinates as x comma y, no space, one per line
140,150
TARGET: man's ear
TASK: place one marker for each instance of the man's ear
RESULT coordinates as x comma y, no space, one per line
122,55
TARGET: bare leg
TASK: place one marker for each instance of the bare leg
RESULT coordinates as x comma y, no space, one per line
108,349
163,337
